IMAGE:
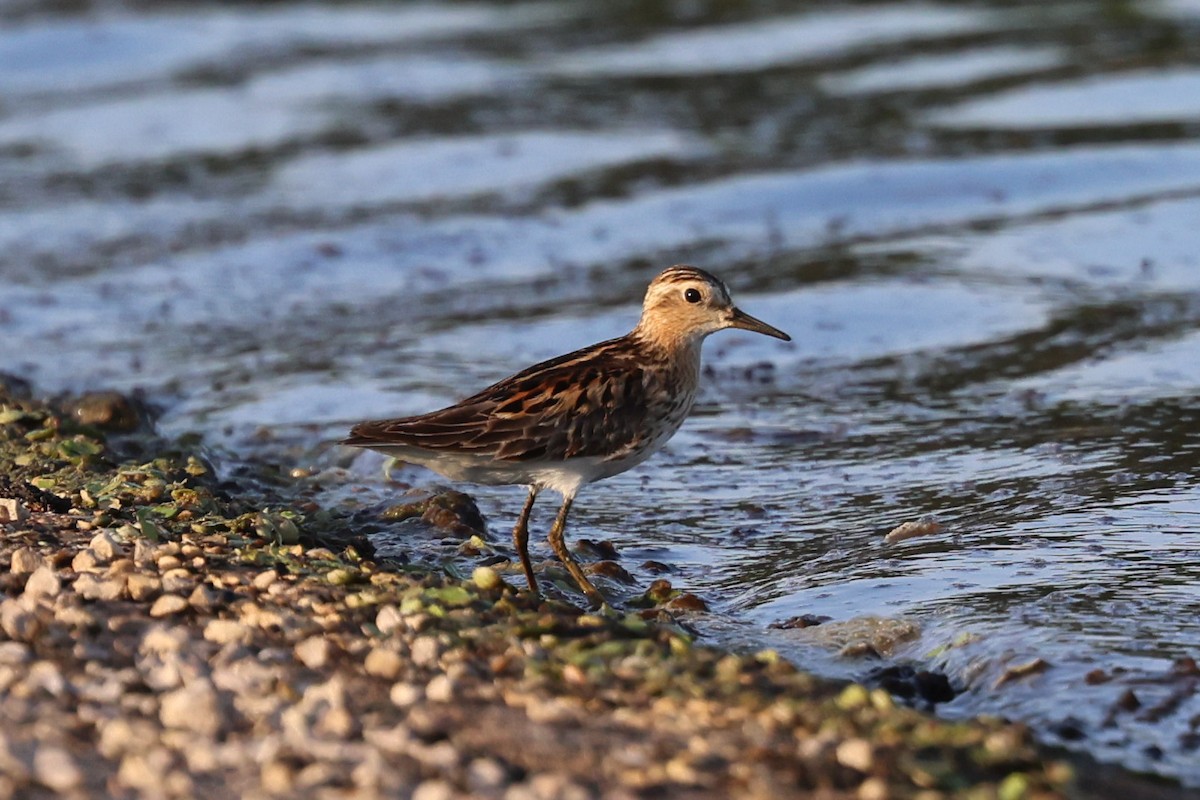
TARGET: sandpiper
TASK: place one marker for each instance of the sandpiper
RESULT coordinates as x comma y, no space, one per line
577,418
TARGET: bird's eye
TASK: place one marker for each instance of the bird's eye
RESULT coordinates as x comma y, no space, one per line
692,295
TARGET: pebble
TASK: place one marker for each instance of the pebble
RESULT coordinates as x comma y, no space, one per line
388,620
14,653
203,598
24,561
164,640
263,580
855,754
404,695
224,631
85,561
143,551
440,689
47,677
93,587
194,707
167,561
122,735
434,790
74,616
425,651
313,652
383,663
167,605
44,582
874,789
486,578
177,581
105,547
142,587
486,774
121,566
55,768
18,622
12,510
277,778
145,770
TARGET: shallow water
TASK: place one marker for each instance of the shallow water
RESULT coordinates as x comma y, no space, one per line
978,222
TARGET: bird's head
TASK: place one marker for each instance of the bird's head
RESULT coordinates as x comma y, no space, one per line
685,304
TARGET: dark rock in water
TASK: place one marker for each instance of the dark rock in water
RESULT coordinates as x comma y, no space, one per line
687,602
917,686
603,549
1069,730
610,569
657,567
15,387
802,621
445,510
111,411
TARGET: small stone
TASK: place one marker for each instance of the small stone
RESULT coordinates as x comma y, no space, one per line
12,510
47,677
24,561
263,580
44,582
340,577
224,631
314,652
277,778
168,561
165,640
74,616
14,653
388,619
874,789
203,598
18,622
404,695
194,707
142,587
168,604
106,547
56,769
144,770
143,551
85,561
856,754
440,689
433,790
119,736
177,581
93,587
679,770
486,774
122,566
425,651
383,663
487,578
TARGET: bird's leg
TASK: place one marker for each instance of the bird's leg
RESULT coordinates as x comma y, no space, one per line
521,540
559,543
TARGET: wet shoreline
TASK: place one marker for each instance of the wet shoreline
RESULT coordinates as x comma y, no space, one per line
156,641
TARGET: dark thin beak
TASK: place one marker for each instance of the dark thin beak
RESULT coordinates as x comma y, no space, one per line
740,319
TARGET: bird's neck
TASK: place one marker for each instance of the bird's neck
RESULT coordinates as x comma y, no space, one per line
676,347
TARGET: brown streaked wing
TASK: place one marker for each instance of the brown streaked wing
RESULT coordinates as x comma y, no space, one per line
588,403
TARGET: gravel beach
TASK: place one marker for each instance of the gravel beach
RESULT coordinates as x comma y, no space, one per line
163,638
